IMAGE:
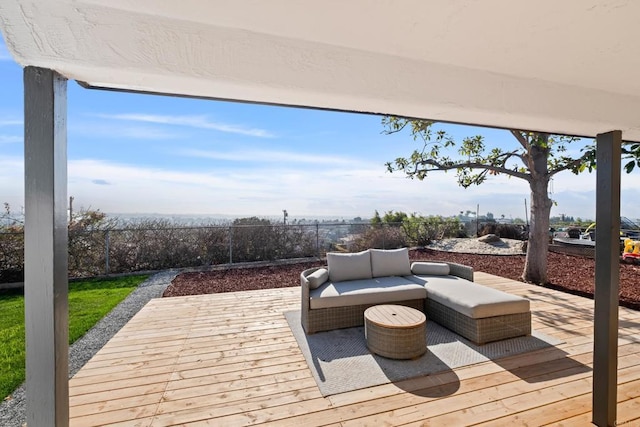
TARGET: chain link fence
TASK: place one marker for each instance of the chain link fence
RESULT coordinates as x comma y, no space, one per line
123,250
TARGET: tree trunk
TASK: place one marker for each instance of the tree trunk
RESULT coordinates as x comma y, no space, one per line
535,267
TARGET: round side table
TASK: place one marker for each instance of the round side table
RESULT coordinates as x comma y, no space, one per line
395,331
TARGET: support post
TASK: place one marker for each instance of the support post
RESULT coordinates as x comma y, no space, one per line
231,244
107,244
46,247
605,347
317,239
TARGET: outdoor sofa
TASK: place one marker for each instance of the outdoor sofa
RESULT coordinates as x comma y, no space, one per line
337,295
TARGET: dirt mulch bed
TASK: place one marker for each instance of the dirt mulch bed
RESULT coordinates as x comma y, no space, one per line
567,273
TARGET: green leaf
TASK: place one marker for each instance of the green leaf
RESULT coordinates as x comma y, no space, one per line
630,166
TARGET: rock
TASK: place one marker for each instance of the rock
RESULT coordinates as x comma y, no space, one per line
474,246
489,238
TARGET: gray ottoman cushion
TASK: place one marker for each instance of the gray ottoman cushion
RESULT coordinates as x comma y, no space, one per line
468,298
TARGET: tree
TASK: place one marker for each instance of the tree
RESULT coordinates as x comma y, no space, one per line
376,220
536,158
394,218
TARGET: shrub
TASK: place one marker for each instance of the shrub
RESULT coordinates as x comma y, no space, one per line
507,231
383,237
421,231
11,255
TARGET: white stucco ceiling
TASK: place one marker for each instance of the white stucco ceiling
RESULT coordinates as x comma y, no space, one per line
570,66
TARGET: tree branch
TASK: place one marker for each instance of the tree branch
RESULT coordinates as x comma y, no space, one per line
507,156
470,165
521,139
572,164
397,130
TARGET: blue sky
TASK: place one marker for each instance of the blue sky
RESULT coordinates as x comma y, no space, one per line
132,153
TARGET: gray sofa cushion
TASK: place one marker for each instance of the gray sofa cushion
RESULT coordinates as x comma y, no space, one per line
372,291
471,299
427,268
349,266
393,262
318,277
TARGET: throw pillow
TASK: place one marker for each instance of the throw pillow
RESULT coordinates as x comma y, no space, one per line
349,266
317,278
394,262
434,268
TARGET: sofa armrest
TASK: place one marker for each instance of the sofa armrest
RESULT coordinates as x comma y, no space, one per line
462,271
304,291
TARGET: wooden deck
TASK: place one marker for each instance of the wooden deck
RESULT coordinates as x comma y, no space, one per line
230,359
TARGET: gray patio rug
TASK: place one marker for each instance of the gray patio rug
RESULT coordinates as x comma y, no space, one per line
341,362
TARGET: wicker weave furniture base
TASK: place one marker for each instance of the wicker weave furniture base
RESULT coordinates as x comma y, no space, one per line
327,319
482,330
395,331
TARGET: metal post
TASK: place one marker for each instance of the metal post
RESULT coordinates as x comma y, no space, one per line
605,347
284,253
106,252
317,239
231,245
46,247
384,235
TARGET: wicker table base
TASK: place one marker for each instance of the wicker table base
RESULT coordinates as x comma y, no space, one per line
395,331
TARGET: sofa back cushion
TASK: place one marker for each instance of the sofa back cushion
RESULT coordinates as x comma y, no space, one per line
393,262
349,266
422,268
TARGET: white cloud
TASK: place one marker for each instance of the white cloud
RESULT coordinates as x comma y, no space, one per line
10,165
200,122
134,132
4,53
259,191
268,156
10,139
10,122
12,181
305,192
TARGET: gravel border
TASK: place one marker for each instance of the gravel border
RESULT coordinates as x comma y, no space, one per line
475,246
12,410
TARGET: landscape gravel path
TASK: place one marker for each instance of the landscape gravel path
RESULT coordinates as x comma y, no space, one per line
12,409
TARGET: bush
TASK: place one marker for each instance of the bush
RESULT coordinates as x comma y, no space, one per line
100,245
11,247
421,231
11,256
506,231
383,237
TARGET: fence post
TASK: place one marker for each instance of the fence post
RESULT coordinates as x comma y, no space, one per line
317,239
231,245
384,235
283,249
106,252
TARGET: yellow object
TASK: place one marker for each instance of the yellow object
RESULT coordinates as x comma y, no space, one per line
631,246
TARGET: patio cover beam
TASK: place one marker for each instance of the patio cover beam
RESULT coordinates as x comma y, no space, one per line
46,238
605,346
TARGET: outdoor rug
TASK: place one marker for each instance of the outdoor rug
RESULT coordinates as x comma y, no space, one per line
340,360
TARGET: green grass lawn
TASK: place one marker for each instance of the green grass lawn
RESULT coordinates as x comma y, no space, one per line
89,301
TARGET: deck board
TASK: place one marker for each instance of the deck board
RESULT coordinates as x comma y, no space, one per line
230,359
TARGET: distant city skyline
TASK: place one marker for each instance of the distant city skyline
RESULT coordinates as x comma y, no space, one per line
134,153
